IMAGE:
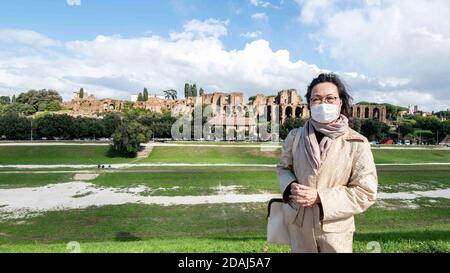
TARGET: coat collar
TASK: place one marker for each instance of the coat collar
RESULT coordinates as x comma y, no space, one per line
353,135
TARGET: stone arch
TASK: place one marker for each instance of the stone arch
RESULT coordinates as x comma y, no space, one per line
358,112
298,112
376,113
269,112
288,111
366,112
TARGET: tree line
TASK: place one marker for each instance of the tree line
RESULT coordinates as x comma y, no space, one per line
168,94
127,130
133,126
31,116
32,101
191,90
416,129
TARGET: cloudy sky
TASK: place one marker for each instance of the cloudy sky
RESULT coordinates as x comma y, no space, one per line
395,51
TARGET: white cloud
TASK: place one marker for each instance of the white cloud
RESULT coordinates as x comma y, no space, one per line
115,66
403,45
13,36
394,82
373,2
200,29
313,11
405,97
260,16
73,2
264,4
392,37
252,34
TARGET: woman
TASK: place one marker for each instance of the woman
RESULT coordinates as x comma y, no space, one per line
326,172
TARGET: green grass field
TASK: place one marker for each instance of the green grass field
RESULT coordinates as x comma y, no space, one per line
32,180
193,183
222,143
204,181
72,154
212,227
256,156
411,156
79,154
241,155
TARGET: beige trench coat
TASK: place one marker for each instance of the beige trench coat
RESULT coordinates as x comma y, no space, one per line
346,183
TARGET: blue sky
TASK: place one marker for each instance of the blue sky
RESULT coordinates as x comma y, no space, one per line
58,20
385,50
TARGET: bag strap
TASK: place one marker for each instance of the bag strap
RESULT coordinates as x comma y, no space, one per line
280,200
298,133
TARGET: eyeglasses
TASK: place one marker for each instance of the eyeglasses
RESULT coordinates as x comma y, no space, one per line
327,99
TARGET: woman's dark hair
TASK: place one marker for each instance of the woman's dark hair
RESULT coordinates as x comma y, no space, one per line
342,90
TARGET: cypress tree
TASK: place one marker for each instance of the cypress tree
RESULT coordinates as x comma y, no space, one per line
194,90
187,90
145,95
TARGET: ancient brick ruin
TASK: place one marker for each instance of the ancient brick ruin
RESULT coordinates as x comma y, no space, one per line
227,108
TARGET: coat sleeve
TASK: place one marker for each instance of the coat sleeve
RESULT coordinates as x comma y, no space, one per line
359,194
284,166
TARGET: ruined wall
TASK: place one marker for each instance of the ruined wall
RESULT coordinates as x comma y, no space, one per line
287,103
364,111
91,106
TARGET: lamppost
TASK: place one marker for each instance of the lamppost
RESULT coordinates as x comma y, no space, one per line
31,129
437,137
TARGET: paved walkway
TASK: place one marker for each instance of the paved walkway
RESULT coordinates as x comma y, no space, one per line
31,201
155,144
128,165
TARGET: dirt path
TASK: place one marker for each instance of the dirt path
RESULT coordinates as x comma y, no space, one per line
52,144
146,171
22,202
258,145
129,165
145,152
32,201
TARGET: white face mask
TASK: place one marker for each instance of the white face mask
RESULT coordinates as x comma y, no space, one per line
324,112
